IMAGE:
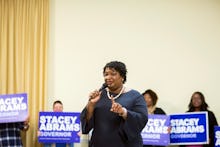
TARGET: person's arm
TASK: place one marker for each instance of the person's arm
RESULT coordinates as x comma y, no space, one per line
86,116
212,123
136,119
93,99
90,109
26,124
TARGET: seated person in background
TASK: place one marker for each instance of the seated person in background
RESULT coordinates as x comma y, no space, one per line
197,104
58,107
151,100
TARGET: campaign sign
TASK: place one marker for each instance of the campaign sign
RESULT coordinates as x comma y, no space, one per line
217,136
189,128
59,127
13,108
156,130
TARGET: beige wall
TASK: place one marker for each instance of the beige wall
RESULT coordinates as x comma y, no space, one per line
172,47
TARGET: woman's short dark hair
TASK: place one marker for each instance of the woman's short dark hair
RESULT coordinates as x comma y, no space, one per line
119,67
204,105
153,96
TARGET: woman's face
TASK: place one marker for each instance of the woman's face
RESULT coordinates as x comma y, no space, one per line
148,100
113,78
196,100
58,107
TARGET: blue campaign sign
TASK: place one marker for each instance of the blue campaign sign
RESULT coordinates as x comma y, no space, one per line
59,127
217,136
156,130
189,128
13,107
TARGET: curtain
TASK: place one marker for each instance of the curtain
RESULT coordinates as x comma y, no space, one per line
23,56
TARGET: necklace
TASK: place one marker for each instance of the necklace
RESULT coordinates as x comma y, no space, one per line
115,97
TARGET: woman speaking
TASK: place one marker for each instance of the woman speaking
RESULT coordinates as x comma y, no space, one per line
115,114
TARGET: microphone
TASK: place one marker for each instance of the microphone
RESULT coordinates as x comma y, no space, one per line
104,85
